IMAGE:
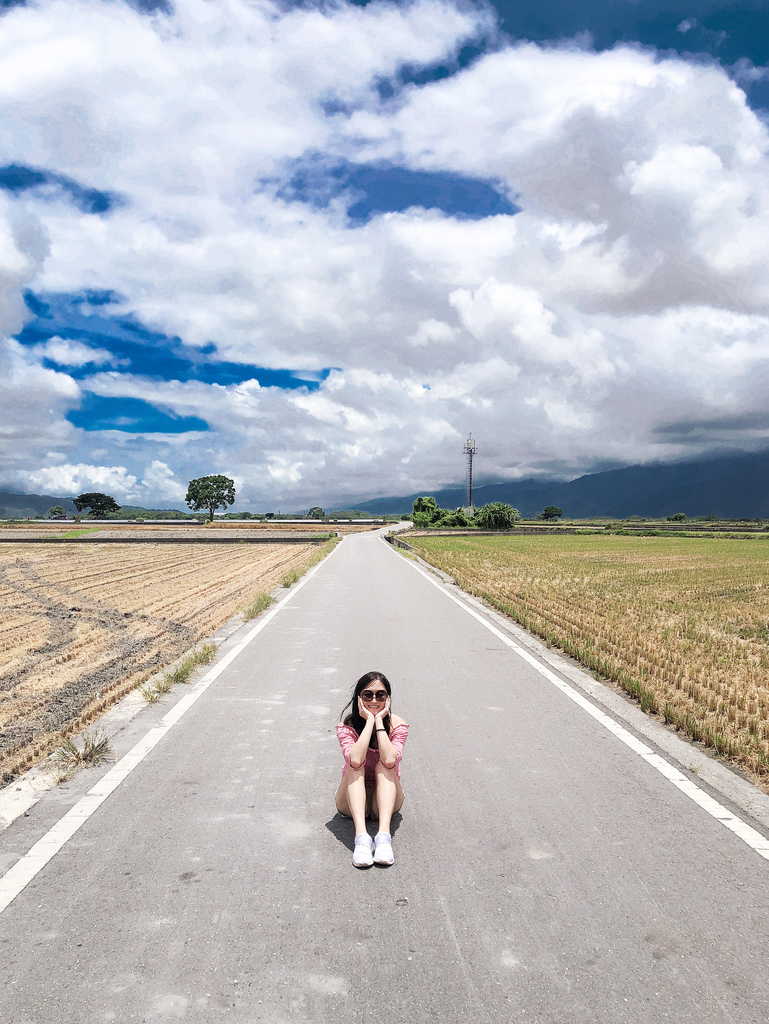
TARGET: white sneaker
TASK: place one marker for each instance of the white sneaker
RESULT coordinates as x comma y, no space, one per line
361,854
383,849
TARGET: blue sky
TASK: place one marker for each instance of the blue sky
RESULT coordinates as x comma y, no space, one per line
315,256
702,29
123,344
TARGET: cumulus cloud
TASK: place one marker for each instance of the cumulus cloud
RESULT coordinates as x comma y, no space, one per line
621,316
33,404
70,353
160,484
72,480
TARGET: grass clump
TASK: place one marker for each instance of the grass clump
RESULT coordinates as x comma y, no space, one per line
257,606
179,673
69,757
71,534
182,670
150,693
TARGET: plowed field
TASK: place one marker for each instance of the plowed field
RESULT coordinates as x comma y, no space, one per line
80,625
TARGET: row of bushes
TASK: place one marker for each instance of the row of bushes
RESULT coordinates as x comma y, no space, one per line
494,516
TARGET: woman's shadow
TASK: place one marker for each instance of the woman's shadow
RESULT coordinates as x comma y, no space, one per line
341,828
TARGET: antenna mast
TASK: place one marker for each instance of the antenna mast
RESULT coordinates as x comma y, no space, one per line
470,450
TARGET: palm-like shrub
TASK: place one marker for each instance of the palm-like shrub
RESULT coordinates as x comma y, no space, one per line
496,516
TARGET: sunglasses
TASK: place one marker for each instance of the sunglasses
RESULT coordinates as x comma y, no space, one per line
369,695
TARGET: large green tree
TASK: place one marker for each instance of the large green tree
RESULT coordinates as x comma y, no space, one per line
426,511
550,512
210,492
97,503
496,516
316,513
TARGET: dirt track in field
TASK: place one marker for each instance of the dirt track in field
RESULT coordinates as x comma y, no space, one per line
83,624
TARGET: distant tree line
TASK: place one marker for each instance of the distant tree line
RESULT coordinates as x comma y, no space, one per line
216,491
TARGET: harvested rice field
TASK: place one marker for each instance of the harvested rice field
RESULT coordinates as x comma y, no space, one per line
82,624
680,624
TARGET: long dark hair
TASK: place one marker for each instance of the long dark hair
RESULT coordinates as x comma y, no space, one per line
355,718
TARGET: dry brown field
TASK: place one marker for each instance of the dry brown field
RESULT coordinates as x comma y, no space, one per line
24,529
680,624
319,526
82,624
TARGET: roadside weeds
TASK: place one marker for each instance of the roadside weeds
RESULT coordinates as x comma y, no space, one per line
259,604
70,757
180,672
317,556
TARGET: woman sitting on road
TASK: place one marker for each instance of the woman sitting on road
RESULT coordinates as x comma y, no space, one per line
372,740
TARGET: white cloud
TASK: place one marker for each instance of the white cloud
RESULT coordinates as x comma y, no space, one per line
33,402
630,293
160,484
71,480
433,331
70,353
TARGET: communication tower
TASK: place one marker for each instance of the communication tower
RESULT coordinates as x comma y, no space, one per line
470,450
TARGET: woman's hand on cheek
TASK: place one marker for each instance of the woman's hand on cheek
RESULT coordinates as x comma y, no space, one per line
366,714
384,712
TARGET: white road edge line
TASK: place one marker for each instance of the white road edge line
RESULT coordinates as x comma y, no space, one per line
716,810
25,869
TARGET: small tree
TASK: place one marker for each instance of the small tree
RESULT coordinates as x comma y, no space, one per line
316,513
426,511
210,492
496,516
679,517
550,512
57,512
97,503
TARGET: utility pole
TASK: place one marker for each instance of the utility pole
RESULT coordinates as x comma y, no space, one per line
470,450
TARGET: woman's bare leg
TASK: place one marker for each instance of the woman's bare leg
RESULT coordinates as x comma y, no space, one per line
351,797
388,797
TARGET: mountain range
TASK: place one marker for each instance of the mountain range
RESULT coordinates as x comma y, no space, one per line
23,506
729,487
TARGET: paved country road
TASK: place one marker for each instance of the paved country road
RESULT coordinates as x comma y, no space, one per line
544,870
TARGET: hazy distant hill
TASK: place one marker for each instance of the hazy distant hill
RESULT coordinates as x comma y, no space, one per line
23,506
728,487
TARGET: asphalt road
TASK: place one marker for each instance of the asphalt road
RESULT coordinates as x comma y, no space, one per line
544,871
